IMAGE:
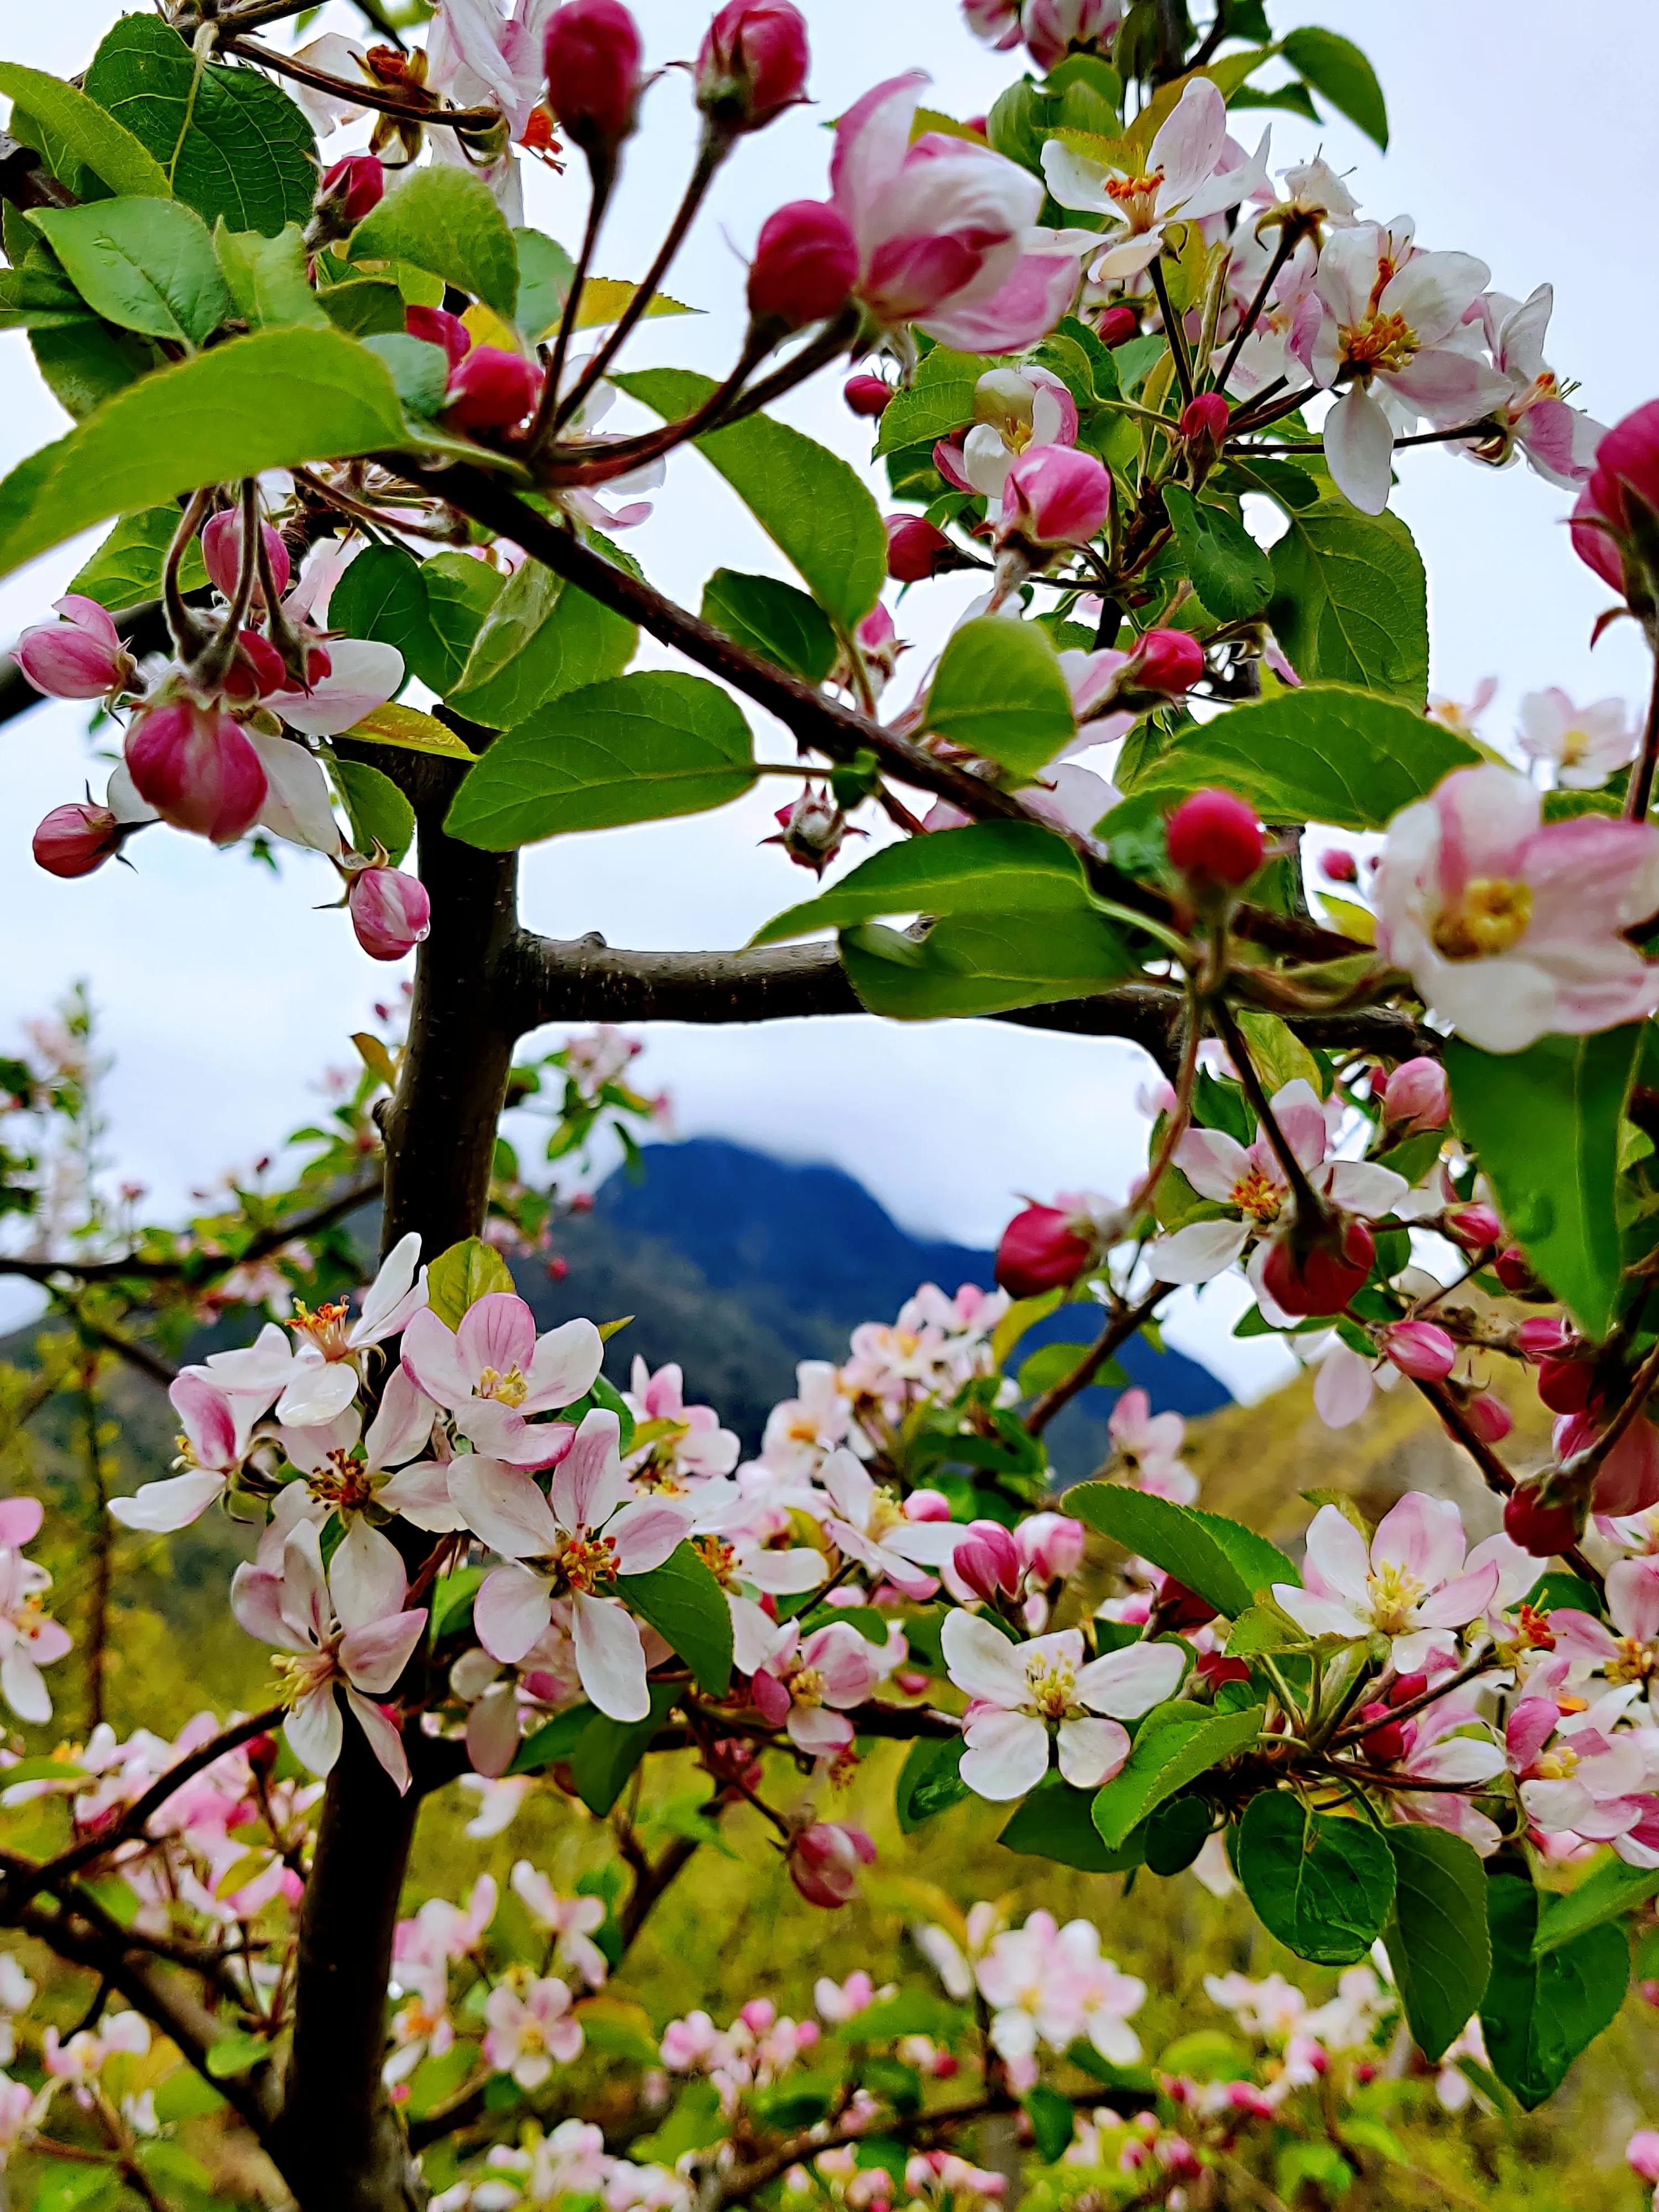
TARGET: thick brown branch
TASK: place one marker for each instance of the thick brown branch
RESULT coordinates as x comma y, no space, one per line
195,1268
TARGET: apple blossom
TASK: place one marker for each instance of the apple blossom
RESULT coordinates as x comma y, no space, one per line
495,1371
1410,1582
807,1688
212,1448
1019,1691
29,1640
531,2028
1417,1096
1148,1447
1053,28
805,264
80,656
869,1525
1013,409
197,768
1584,745
1054,496
1048,1983
390,912
752,64
73,840
824,1860
1559,442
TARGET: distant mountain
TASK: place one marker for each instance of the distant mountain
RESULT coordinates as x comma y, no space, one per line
739,1264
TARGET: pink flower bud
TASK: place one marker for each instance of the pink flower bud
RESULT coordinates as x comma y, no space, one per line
753,63
927,1506
1215,838
1476,1228
490,389
1055,28
1417,1096
593,57
1512,1270
439,328
1322,1280
1042,1251
758,2014
1051,1545
222,552
1117,325
1489,1417
359,180
1204,420
257,669
1642,2154
81,656
1627,471
198,768
1419,1349
915,550
824,1861
1055,495
73,840
1545,1338
1169,661
1542,1529
805,264
985,1561
1339,866
867,395
390,912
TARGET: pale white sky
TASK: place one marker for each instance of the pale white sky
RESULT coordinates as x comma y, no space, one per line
223,991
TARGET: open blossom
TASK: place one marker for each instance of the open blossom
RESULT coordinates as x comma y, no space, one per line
211,1448
29,1639
570,1921
1584,745
808,1689
1559,442
1411,1582
494,1370
1148,1447
531,2028
1623,1650
1576,1778
1188,177
743,1545
696,1449
1021,1691
1512,927
1013,408
1048,1984
347,1630
870,1526
574,1544
947,230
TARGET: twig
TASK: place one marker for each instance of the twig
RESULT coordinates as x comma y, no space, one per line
1640,793
1117,1331
361,95
195,1268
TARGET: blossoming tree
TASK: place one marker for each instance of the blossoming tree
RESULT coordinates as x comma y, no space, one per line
358,596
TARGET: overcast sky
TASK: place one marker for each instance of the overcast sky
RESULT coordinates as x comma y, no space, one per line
224,993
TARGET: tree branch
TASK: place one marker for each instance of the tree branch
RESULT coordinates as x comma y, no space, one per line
1116,1332
186,1271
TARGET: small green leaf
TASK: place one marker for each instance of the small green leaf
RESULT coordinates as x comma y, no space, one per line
1613,1890
983,964
1544,1123
1540,2013
445,220
126,569
377,810
364,306
643,748
1000,690
807,500
419,370
940,400
115,157
144,265
1335,66
1008,866
1232,573
928,1783
1321,1882
545,275
542,638
556,1739
1054,2121
687,1607
459,1278
772,620
267,277
1224,1562
607,1751
459,595
1165,1760
1437,1943
234,2054
1350,601
1057,1822
452,1599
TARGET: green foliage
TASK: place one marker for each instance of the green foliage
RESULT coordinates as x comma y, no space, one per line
1164,1759
1439,1950
687,1607
1325,753
983,964
259,403
267,277
1540,2013
1334,66
607,1751
127,569
1350,601
1232,573
1057,1822
643,748
542,638
1225,1563
377,810
772,620
1323,1882
929,1781
545,275
431,611
1608,1894
1000,690
940,401
809,502
83,130
230,141
144,265
459,1278
445,220
1545,1123
1009,866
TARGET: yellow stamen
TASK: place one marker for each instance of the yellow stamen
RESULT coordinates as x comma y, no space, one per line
507,1389
1380,341
1394,1596
1492,914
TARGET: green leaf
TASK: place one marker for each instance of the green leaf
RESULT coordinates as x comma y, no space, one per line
445,221
84,366
1545,1122
1166,1760
115,157
364,306
1232,573
940,401
1437,1943
258,402
1049,1364
1350,602
1335,66
144,265
607,1751
643,748
555,1739
1000,690
383,596
1540,2013
231,142
907,2012
1007,865
126,569
687,1607
1057,1822
419,370
1224,1561
983,964
1321,1882
809,502
928,1783
267,277
459,1278
37,296
772,620
377,810
541,638
459,595
1613,1890
235,2053
452,1599
545,275
1054,2121
1326,753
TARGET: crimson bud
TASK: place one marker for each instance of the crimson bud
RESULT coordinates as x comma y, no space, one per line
439,328
1489,1417
805,264
1339,866
1542,1529
1117,325
198,768
985,1561
221,553
1476,1228
257,669
73,840
1042,1251
1055,495
390,912
1566,1386
1179,1608
753,63
867,395
1420,1349
1169,661
1215,838
824,1861
491,390
1511,1270
1204,420
915,550
1322,1279
1386,1744
359,182
1614,523
593,56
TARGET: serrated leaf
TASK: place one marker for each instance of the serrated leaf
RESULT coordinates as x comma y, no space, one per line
93,136
144,264
267,277
1231,573
126,569
1166,1760
1224,1562
445,220
1323,1883
605,298
1613,1890
1057,1822
686,1606
377,810
772,620
459,1278
1001,692
1011,865
1350,600
1436,1939
940,401
542,638
1539,2013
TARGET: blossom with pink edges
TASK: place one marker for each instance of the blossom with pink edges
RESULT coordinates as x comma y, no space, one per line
1577,1779
870,1526
79,657
1055,495
1149,1447
1049,1984
390,912
493,1371
1622,1651
1013,408
213,1445
29,1639
1021,1693
1411,1583
824,1860
571,1922
808,1687
1558,441
531,2028
1583,745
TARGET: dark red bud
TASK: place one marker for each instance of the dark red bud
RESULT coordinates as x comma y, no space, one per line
1542,1529
1040,1251
1215,838
867,395
805,264
1117,325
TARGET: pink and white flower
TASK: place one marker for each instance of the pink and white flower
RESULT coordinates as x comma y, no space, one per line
531,2028
1511,928
494,1370
1149,1447
1623,1650
28,1640
870,1525
1577,1778
1559,441
570,1921
1410,1584
1013,408
1584,745
1049,1984
698,1450
1021,1694
803,1430
808,1689
213,1443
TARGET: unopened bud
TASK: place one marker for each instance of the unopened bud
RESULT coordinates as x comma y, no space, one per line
1339,866
390,911
438,327
811,831
198,768
73,840
221,553
1179,1608
1417,1096
824,1861
1323,1278
915,550
1542,1529
1042,1251
1166,661
592,52
1566,1386
355,186
1051,1545
1204,420
1420,1349
1476,1228
806,264
1055,495
987,1561
867,395
490,389
1511,1270
1118,325
753,63
1215,838
1488,1416
80,656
